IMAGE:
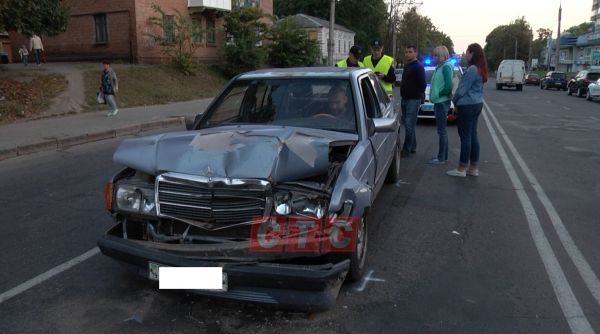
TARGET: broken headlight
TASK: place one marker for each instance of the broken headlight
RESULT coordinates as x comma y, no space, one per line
299,204
135,199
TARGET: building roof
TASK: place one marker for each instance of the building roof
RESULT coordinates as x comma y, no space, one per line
307,21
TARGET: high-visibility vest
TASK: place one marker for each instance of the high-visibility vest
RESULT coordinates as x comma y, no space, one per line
383,67
344,63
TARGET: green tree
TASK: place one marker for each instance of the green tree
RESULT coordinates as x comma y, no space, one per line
43,17
178,37
291,46
418,30
501,42
244,51
580,29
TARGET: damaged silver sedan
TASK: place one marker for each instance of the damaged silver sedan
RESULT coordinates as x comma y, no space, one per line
273,183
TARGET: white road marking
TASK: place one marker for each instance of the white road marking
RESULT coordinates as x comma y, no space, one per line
583,267
47,275
367,279
572,311
566,108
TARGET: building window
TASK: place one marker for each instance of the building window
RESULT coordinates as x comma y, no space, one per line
210,31
197,30
169,28
237,4
101,30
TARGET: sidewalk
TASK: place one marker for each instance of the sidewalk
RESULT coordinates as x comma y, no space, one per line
28,137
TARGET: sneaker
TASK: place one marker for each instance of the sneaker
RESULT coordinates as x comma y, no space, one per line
457,173
473,172
112,113
436,161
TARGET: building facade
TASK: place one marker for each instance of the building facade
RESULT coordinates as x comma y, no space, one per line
318,29
122,29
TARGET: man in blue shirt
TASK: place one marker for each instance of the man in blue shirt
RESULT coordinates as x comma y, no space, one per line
412,92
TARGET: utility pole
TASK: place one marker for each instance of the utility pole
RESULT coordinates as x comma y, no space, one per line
516,47
331,44
530,45
558,37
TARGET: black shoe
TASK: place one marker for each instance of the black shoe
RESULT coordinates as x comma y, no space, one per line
404,154
413,151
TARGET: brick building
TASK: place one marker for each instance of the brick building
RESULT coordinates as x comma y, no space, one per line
119,29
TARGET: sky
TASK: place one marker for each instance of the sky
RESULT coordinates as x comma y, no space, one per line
470,21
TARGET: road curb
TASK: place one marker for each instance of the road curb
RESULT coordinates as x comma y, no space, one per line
54,144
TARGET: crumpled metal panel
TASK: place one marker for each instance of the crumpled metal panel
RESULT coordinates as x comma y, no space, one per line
277,154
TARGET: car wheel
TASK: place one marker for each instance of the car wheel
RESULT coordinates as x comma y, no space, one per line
579,92
359,256
546,87
569,91
393,174
588,96
519,87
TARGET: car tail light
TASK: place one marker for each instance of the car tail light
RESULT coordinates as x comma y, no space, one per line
108,190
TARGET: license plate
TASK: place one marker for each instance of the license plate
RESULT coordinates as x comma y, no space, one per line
427,107
153,274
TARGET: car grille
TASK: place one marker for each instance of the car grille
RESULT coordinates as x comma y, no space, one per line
205,201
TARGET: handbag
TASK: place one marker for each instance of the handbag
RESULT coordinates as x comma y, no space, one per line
100,98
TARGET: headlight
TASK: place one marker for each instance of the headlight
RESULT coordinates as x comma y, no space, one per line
134,199
299,204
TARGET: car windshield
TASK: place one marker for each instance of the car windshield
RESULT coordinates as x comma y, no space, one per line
303,102
559,75
429,73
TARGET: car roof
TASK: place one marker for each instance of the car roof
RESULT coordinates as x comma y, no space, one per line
313,72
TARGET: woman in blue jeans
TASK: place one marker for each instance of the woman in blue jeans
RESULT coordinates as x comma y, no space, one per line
440,93
468,102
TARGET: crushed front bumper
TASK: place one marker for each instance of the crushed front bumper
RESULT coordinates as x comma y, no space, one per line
290,286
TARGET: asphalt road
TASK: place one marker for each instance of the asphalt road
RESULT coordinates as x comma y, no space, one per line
447,255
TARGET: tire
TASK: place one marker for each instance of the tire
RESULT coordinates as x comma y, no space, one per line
519,87
569,91
359,256
579,93
393,174
546,87
587,95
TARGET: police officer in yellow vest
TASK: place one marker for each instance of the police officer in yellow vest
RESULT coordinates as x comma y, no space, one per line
382,65
353,58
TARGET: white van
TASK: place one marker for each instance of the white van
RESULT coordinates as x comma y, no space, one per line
511,73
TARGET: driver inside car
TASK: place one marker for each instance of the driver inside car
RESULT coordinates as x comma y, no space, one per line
337,101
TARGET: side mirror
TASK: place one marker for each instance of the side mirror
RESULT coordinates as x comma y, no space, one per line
191,122
385,124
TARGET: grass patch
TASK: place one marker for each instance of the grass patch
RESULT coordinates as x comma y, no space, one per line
28,94
152,84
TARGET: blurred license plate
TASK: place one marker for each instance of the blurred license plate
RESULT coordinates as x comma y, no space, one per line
427,107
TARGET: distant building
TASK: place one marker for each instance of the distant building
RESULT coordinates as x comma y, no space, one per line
120,29
596,15
318,29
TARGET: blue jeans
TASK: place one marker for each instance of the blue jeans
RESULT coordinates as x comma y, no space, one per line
38,55
441,118
24,60
467,130
410,110
110,101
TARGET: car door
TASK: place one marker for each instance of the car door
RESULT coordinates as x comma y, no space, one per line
373,110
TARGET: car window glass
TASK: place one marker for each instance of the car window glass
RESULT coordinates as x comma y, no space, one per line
593,76
382,97
371,106
302,102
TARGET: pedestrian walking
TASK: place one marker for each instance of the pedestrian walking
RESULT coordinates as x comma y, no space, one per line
468,102
36,46
24,54
353,58
109,87
382,65
412,92
440,94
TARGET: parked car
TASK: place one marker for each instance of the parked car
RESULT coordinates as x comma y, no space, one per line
267,152
510,73
426,109
593,90
532,79
398,72
580,82
554,79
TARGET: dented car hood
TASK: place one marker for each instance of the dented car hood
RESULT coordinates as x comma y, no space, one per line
277,154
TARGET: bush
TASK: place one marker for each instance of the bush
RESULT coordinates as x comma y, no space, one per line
291,46
244,51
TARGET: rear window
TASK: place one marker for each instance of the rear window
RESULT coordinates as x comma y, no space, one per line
593,76
559,76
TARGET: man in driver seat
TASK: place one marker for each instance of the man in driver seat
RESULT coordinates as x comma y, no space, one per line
339,108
